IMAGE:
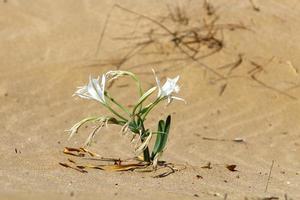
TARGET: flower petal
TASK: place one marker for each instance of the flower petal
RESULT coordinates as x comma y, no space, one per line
179,99
158,84
93,90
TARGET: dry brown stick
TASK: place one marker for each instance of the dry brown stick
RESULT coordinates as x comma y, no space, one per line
210,53
104,29
135,50
210,10
270,172
105,26
165,174
129,55
293,87
233,65
253,77
158,62
213,139
222,89
146,17
257,68
75,168
237,64
201,64
255,7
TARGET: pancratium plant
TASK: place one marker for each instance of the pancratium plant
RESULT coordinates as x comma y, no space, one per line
131,120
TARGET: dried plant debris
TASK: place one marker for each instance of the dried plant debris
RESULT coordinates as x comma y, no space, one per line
254,6
270,198
262,198
238,140
232,66
231,168
207,166
168,169
107,164
210,9
114,164
72,167
175,39
222,89
199,176
79,152
269,176
175,36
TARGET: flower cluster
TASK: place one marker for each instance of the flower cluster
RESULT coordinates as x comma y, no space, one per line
130,120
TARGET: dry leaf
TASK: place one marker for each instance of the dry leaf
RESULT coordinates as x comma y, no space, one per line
75,168
89,152
199,176
72,161
88,166
239,140
270,198
231,168
208,166
79,152
73,152
222,89
122,167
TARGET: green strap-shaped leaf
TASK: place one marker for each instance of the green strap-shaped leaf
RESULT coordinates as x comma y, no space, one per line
160,128
143,98
162,136
166,133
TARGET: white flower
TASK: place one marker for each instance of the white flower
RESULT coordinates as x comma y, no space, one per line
168,88
93,90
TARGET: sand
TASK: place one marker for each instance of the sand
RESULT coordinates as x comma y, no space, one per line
48,48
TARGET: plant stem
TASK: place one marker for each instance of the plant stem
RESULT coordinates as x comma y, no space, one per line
116,103
114,112
146,155
151,107
146,152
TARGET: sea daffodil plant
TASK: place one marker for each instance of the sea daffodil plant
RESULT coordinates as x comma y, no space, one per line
131,120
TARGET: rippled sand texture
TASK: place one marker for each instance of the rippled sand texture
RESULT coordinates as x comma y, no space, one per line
48,48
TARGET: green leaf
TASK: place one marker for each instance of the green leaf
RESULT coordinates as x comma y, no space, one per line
162,136
134,127
145,109
166,133
161,125
143,98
